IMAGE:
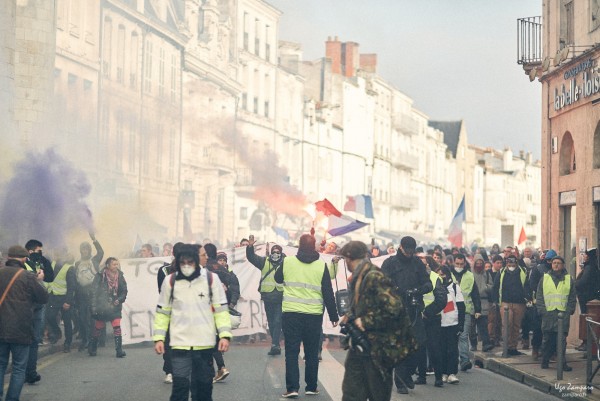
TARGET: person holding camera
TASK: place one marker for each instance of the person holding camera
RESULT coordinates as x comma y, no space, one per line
377,327
411,281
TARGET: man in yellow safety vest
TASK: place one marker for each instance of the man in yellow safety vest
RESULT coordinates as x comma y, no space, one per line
306,290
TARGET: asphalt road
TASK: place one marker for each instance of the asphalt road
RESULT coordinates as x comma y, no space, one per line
254,377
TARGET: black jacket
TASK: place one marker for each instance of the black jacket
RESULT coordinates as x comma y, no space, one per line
513,290
408,273
101,297
16,312
228,278
587,282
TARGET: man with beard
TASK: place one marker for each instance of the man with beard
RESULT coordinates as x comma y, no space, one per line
411,280
85,270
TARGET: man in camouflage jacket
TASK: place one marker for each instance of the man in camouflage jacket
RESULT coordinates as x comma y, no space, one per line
378,312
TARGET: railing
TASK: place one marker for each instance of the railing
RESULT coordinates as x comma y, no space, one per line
405,160
406,124
529,40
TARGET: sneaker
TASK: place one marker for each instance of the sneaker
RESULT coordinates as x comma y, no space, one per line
514,352
429,372
402,390
439,383
444,378
452,379
66,348
169,378
312,392
275,350
567,368
544,365
466,366
290,394
421,380
221,375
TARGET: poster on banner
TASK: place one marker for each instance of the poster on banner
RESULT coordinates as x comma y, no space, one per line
140,306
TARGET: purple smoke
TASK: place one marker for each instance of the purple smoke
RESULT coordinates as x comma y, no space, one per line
44,200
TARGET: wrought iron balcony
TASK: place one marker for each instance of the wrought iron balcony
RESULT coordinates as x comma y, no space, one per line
529,40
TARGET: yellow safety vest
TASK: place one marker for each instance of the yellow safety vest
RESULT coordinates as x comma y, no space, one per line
302,287
466,286
556,297
523,278
59,285
268,283
429,298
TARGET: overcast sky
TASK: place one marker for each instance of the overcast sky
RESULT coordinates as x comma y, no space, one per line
456,58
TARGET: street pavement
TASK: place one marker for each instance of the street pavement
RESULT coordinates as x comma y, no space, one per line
255,376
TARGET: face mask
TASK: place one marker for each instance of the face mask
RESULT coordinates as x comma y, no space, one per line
275,257
511,268
459,269
187,270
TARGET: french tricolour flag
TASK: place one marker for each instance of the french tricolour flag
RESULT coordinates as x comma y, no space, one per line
360,204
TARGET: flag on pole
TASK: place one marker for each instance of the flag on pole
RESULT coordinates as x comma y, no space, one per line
522,236
327,208
343,225
455,231
362,204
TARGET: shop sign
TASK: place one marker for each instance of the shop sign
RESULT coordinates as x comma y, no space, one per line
567,198
577,88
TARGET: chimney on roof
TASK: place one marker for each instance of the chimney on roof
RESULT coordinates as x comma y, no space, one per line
350,58
333,51
368,62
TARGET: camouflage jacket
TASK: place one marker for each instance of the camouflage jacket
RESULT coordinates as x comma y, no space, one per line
383,316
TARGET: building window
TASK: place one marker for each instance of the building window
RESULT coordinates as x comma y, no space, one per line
246,39
161,72
567,163
75,18
148,72
106,53
145,141
596,148
121,54
173,78
243,213
267,43
256,37
255,105
267,108
595,14
134,60
244,101
567,23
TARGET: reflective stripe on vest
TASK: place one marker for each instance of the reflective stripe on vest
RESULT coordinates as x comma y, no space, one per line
555,297
59,285
466,286
268,283
429,298
523,278
302,287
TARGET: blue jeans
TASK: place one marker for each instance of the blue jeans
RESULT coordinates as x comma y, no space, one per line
19,352
38,334
463,341
273,310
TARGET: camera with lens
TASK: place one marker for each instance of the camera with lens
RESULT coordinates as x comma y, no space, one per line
412,297
354,337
